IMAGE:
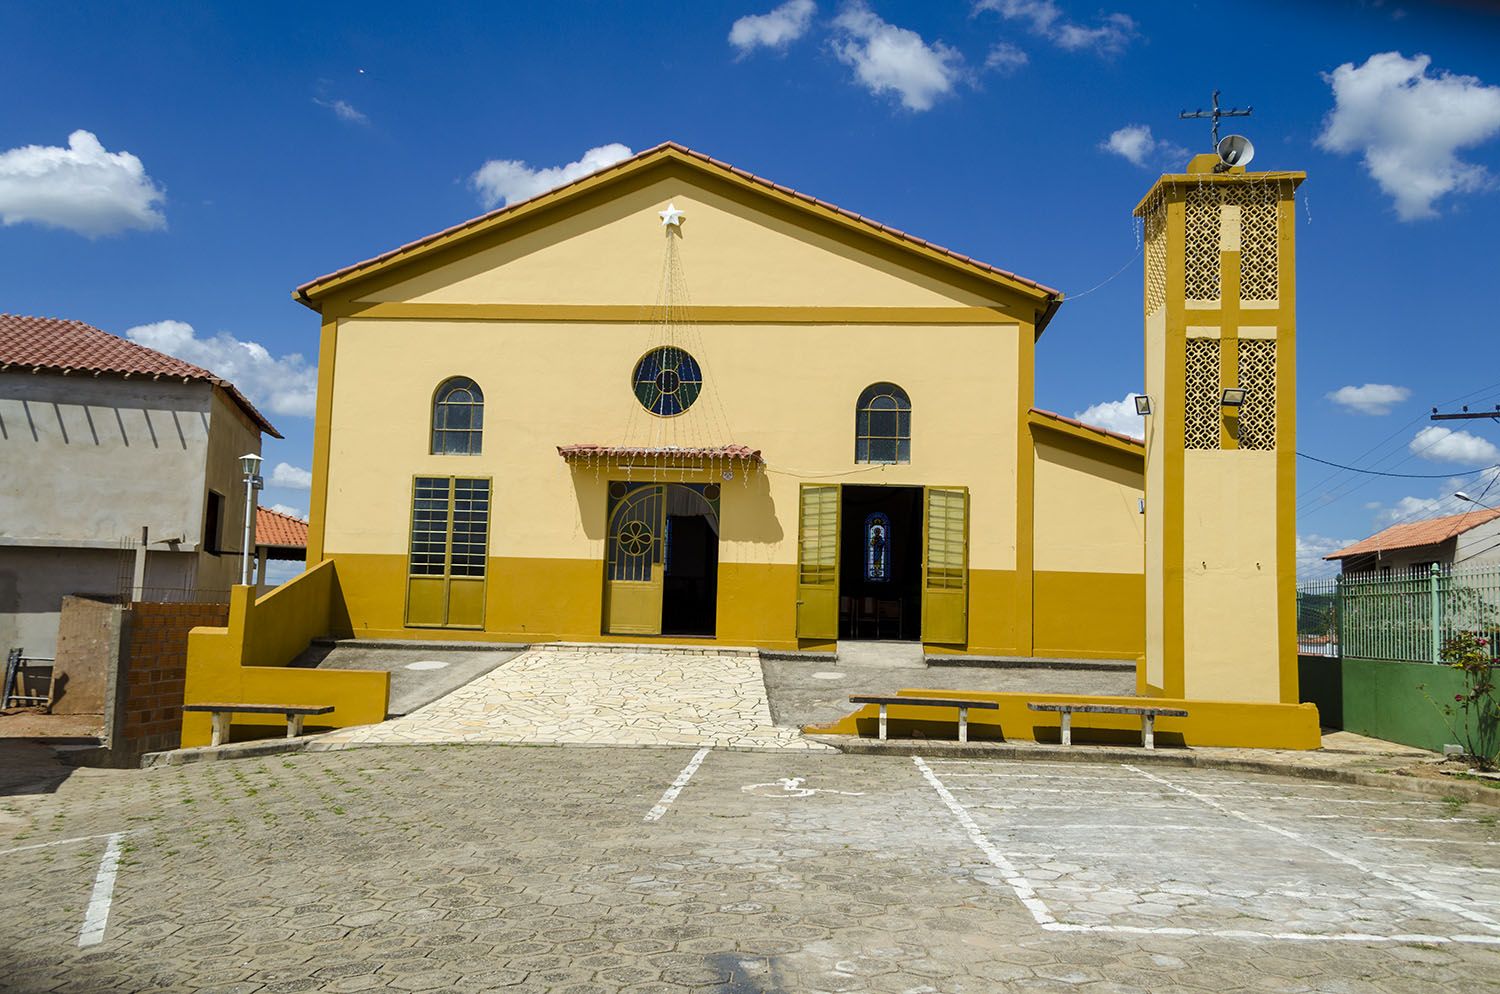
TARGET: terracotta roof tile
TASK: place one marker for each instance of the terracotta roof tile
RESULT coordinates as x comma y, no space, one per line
684,150
275,528
58,345
1415,534
1130,439
661,453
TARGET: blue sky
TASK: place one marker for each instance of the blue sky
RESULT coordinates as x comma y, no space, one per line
232,153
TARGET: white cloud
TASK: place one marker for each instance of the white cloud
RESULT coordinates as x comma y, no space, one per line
1415,509
82,188
1110,36
510,181
1135,143
290,477
1446,445
1409,126
777,29
288,385
1372,398
344,110
1115,415
1311,549
888,59
295,512
1005,58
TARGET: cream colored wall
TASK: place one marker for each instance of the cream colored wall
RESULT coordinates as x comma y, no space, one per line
733,253
1229,543
1156,371
1088,517
787,390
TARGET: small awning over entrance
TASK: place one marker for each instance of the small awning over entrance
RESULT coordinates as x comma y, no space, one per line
661,455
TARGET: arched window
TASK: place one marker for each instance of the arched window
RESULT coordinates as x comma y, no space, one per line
457,418
882,425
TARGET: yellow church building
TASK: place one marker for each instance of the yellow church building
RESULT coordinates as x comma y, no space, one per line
674,400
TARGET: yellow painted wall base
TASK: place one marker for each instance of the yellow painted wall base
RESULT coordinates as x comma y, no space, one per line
1077,615
1209,723
241,663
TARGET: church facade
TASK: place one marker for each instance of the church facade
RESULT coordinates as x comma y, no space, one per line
676,401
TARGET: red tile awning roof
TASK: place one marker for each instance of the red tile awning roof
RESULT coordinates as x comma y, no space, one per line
1415,534
57,345
1105,432
670,147
660,454
278,528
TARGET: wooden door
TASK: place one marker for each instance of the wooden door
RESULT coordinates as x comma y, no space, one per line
633,568
445,583
818,561
945,565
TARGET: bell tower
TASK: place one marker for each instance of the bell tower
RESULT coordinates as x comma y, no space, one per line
1220,316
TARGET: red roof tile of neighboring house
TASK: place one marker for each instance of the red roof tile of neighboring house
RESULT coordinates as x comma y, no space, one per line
1415,534
276,528
742,173
1129,439
63,346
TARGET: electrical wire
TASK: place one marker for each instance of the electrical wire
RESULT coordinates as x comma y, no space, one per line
1074,296
1403,476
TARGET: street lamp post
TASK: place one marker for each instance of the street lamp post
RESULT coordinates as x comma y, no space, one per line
250,466
1465,497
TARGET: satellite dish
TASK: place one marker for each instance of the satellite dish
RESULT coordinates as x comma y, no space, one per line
1235,150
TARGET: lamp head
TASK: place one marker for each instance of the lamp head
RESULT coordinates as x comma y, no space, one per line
1142,404
250,463
1233,397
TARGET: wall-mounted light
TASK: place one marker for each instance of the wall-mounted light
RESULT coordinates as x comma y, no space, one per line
1233,397
1142,404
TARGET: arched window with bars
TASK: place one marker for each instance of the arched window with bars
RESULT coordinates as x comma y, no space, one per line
457,418
882,425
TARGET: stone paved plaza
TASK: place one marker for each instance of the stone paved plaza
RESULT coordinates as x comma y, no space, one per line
501,868
599,695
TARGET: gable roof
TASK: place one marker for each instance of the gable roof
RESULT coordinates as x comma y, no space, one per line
58,345
1087,432
276,528
1047,297
1415,534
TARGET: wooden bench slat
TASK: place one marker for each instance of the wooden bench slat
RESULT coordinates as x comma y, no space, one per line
943,702
263,708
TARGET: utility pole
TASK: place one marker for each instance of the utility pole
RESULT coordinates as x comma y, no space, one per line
1466,415
1216,113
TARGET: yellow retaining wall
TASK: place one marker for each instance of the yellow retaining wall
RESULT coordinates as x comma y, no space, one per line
1209,723
241,663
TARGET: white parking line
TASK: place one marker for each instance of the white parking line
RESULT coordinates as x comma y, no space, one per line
97,916
1013,877
682,779
60,842
1483,921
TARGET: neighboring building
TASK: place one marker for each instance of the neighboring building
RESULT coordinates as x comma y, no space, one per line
673,398
1468,539
100,440
278,538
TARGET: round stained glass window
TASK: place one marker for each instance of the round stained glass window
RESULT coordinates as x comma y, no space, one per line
667,381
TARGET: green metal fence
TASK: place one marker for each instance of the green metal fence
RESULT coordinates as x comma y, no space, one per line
1403,616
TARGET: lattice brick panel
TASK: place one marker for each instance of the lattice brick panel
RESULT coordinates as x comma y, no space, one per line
1202,238
1201,400
1258,204
1156,255
1258,377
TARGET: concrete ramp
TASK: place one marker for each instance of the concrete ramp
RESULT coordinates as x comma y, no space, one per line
881,655
421,672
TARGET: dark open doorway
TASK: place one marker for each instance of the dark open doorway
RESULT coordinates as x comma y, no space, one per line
690,591
880,563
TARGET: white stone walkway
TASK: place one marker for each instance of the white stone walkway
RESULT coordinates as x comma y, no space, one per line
598,695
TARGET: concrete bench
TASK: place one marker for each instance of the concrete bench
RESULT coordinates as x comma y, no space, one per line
1148,717
219,715
930,702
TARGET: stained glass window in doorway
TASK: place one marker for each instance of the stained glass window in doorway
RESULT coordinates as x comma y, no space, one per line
877,547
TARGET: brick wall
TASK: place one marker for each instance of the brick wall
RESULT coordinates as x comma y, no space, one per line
155,667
